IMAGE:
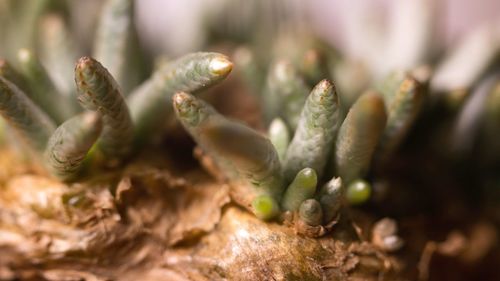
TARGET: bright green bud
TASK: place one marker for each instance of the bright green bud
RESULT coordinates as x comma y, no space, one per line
265,207
358,192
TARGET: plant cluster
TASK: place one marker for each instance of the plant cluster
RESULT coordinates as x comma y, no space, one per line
326,137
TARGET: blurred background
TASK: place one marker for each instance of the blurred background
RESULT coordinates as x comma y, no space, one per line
335,20
178,27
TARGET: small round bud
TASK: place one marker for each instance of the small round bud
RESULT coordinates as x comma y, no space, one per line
358,192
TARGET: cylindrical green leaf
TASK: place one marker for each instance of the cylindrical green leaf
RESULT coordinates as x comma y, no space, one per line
389,86
150,103
279,136
330,198
57,52
233,145
116,43
24,116
20,24
403,100
352,77
11,74
98,91
359,135
310,212
315,133
246,63
285,93
42,90
302,187
70,143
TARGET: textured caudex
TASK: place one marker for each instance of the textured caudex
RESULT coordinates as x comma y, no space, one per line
57,52
315,133
24,116
232,144
358,136
150,104
265,207
403,99
70,143
330,198
279,137
285,93
115,42
98,91
302,187
41,88
310,212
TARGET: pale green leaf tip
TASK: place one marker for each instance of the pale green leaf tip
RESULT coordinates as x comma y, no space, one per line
277,127
302,188
265,207
307,177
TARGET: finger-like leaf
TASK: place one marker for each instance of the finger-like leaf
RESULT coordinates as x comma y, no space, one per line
42,90
285,93
310,212
116,44
57,52
150,104
302,187
403,98
315,133
359,135
279,136
70,143
233,145
98,91
24,116
330,198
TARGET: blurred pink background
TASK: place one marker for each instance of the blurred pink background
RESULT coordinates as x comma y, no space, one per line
179,21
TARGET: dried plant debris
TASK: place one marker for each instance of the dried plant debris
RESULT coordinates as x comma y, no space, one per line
70,143
98,91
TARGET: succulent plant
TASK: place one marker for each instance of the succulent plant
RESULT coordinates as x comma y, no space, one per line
334,136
